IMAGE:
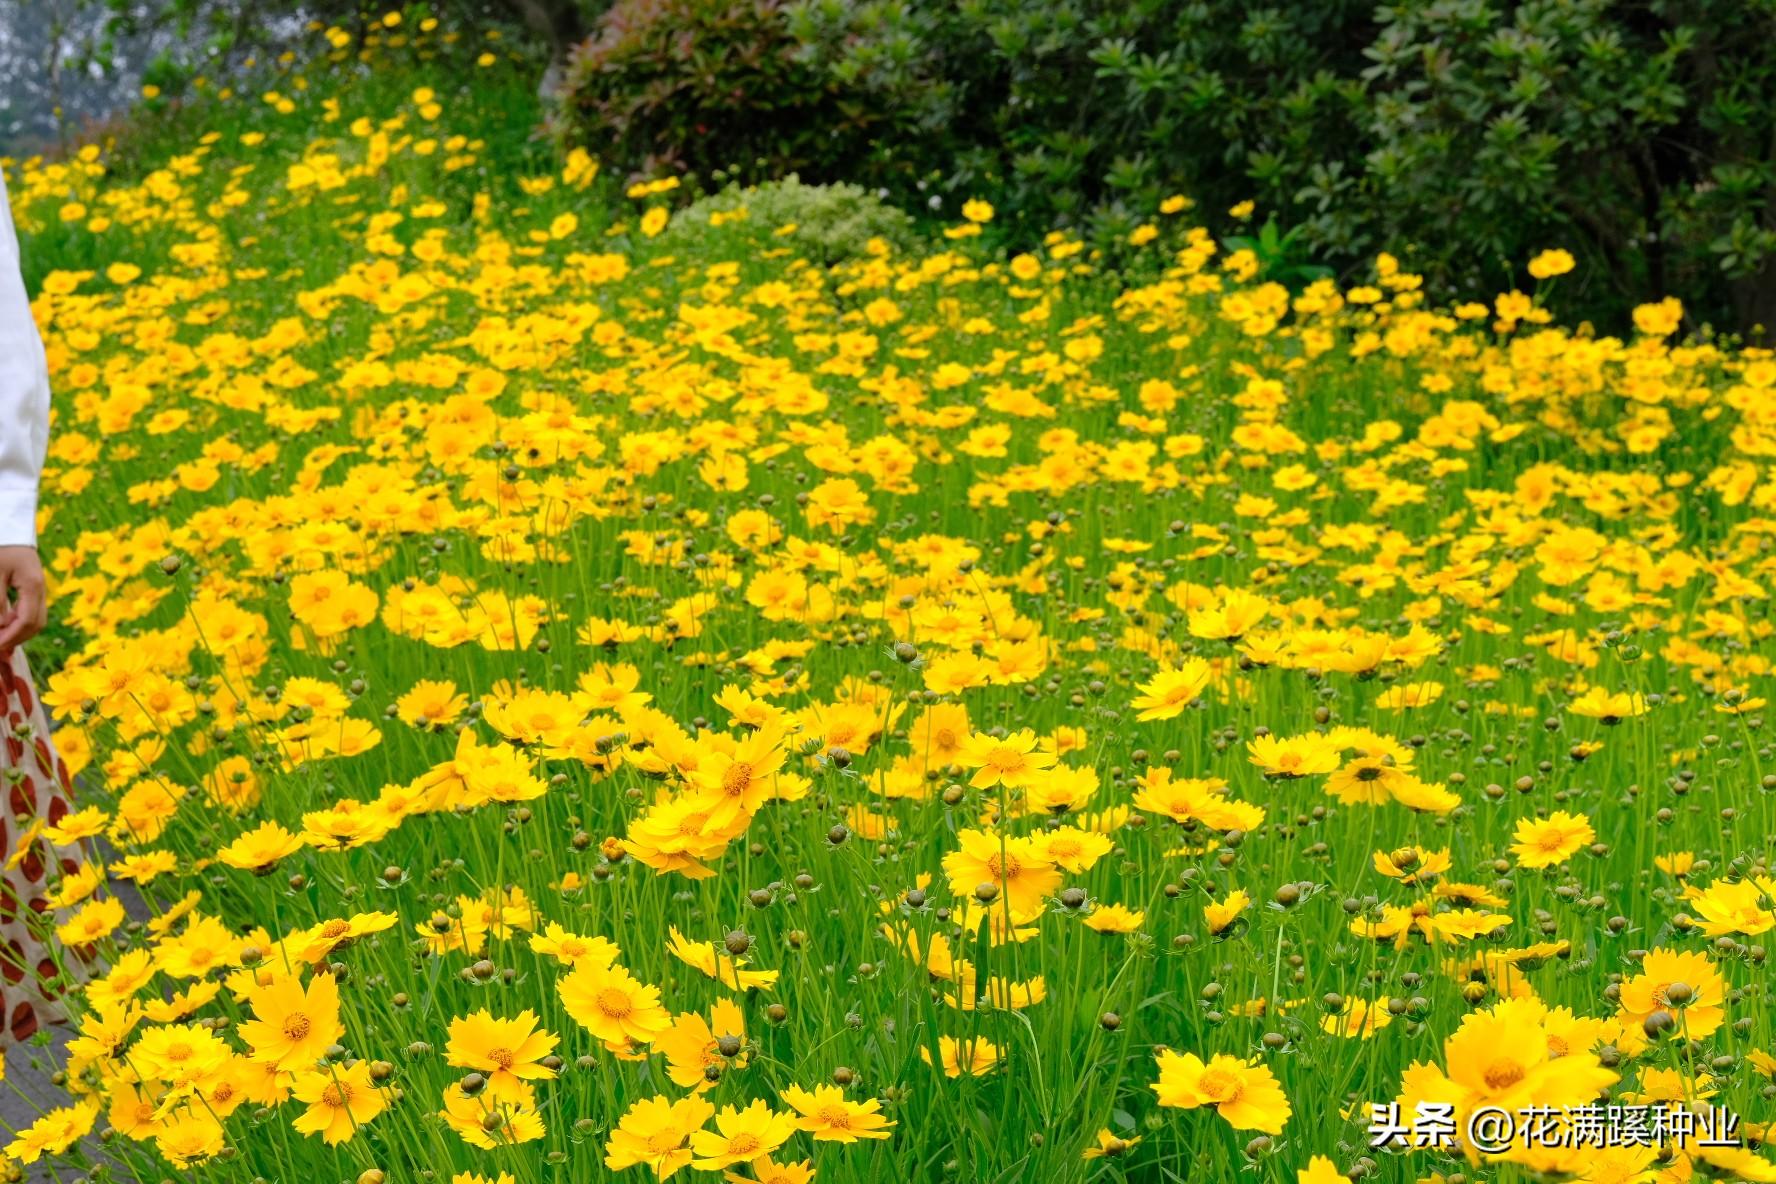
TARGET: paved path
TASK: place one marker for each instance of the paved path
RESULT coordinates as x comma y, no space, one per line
28,1090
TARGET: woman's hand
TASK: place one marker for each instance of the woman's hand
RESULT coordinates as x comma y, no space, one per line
24,610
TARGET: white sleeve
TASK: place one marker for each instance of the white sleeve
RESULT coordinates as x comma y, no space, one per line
24,394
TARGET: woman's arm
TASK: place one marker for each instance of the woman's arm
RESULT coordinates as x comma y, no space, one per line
24,435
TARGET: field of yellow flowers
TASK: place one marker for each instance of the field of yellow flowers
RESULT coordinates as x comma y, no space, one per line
578,702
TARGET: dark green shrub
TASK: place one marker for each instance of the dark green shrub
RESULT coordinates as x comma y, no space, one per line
1640,136
1092,111
1463,135
1466,134
705,87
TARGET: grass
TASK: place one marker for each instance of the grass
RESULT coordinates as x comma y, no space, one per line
386,395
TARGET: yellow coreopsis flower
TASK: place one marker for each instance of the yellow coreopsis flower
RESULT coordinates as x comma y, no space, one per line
1735,906
976,1056
340,1101
725,968
1219,914
488,1121
613,1004
1015,867
1543,842
1320,1170
293,1025
1245,1093
657,1132
506,1051
1684,985
1608,708
1110,1145
1012,761
1551,263
260,849
741,1136
1169,692
830,1117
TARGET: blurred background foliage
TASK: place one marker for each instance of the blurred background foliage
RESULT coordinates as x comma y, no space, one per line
1461,135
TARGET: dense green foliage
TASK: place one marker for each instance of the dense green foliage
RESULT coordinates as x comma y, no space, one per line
1474,132
709,87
